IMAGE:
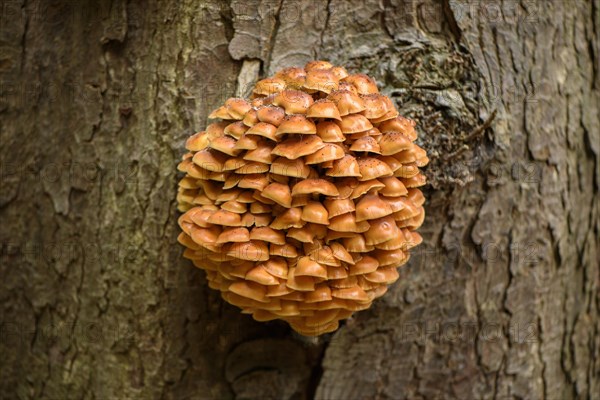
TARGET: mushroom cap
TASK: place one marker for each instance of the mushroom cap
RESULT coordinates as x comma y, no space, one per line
354,123
347,102
323,80
265,130
269,86
293,101
279,193
270,114
298,146
337,207
294,168
364,84
366,144
371,168
329,152
301,202
372,206
345,167
330,132
297,123
312,186
323,109
293,76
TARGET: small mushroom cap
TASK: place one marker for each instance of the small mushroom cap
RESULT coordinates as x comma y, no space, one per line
253,251
197,141
270,114
267,234
400,124
407,171
347,282
315,212
252,167
322,292
347,102
364,84
329,152
221,113
250,118
315,186
287,251
364,266
308,267
357,244
371,207
354,123
322,80
364,187
262,154
347,223
248,142
265,130
415,181
346,166
297,123
234,163
249,290
307,233
337,207
235,129
371,168
234,206
279,193
269,86
210,160
367,144
293,76
317,64
330,132
416,197
288,309
290,218
323,109
260,275
237,107
383,275
216,129
340,253
233,235
340,72
393,187
300,283
253,181
351,293
276,266
298,146
294,168
225,218
293,101
336,272
376,105
381,230
391,114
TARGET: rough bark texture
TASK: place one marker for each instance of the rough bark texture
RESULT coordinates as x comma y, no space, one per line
501,300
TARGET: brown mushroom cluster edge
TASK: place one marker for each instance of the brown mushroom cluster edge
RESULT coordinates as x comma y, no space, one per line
301,202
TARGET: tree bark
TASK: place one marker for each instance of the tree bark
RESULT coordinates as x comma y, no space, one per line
501,300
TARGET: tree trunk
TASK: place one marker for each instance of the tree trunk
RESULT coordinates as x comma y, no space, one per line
501,300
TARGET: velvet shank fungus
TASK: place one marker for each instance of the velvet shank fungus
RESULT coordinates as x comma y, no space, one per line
301,203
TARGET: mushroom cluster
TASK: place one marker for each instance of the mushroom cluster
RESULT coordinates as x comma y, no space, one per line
302,202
